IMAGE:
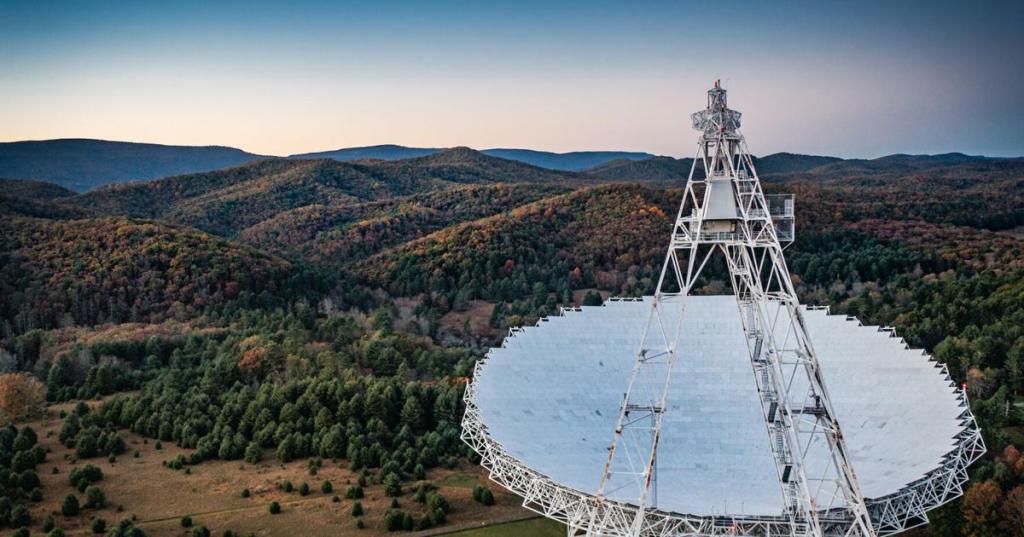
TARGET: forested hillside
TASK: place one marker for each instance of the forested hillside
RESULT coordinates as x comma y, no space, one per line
226,201
329,312
337,235
19,197
113,270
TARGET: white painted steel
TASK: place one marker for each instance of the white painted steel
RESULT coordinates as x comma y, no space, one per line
541,406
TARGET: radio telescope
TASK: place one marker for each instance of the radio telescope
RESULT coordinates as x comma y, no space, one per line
742,414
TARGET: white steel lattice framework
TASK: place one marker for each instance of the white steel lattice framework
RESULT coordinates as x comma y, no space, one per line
724,210
891,514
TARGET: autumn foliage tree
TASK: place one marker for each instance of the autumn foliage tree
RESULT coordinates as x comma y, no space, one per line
981,510
1013,511
21,396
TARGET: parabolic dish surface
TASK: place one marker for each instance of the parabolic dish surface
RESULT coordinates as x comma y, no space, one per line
551,394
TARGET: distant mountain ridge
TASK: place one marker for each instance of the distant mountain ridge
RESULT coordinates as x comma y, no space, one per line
82,164
571,161
784,166
374,152
85,164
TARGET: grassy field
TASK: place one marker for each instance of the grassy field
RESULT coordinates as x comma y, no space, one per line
211,493
534,527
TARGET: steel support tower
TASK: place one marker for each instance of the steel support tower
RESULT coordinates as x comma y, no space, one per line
725,210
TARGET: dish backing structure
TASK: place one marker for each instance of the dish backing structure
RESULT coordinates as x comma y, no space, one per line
742,414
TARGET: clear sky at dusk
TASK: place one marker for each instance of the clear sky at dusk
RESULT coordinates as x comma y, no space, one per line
846,79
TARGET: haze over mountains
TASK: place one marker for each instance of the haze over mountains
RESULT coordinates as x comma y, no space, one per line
84,164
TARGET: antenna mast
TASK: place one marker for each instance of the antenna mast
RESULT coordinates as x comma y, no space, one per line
725,210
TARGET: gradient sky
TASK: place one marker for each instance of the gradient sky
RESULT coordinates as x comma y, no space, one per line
850,79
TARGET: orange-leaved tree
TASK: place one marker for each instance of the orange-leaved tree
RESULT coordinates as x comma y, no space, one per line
21,396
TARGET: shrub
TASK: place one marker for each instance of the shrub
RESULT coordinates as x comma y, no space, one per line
357,509
395,504
28,480
85,476
186,521
354,492
49,523
55,532
95,497
326,487
70,506
303,489
287,486
360,524
99,526
23,460
275,508
483,495
36,495
201,531
393,520
86,445
126,529
437,507
20,517
246,493
437,502
253,453
335,498
392,485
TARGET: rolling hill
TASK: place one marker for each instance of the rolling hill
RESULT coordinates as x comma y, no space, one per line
20,197
83,164
226,201
652,169
373,152
605,235
337,235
